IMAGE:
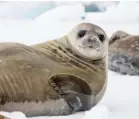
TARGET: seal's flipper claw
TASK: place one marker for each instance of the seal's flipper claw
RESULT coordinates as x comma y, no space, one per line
79,101
73,101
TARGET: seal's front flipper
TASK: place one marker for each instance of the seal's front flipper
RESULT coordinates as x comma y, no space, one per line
82,101
73,100
74,90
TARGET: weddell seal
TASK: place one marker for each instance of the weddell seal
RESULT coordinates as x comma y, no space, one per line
3,117
124,53
118,35
57,77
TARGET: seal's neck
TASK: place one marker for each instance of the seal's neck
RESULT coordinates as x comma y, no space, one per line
56,43
62,48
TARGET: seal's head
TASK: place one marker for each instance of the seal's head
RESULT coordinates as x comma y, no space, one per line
89,41
118,35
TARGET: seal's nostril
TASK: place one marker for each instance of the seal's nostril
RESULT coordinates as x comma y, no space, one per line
90,40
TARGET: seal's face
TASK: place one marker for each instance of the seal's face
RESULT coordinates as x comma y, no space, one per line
89,41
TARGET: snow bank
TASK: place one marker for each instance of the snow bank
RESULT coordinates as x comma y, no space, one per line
123,12
23,10
63,13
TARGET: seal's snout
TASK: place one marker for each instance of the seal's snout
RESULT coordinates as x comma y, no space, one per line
92,40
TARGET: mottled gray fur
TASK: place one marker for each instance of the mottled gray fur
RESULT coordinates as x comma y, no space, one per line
123,63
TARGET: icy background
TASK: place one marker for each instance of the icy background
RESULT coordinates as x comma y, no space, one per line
35,22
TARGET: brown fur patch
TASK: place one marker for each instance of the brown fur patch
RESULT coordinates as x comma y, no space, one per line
128,44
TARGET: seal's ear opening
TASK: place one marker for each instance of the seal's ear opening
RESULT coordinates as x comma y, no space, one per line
67,82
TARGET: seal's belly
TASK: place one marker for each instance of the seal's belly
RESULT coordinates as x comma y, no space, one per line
51,107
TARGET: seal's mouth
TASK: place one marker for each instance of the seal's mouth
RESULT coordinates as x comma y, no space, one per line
90,47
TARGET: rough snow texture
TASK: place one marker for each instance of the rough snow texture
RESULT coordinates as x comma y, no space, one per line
23,10
63,13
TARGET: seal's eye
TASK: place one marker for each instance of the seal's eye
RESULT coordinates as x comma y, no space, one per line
101,37
81,33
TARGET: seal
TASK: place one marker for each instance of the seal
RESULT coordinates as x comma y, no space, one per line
124,53
56,77
3,117
117,36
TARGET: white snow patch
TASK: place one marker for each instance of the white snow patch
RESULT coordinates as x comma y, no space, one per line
23,10
98,112
13,115
63,13
124,12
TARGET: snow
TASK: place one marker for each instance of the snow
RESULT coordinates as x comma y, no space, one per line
24,10
13,115
121,100
120,13
98,112
63,13
128,11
